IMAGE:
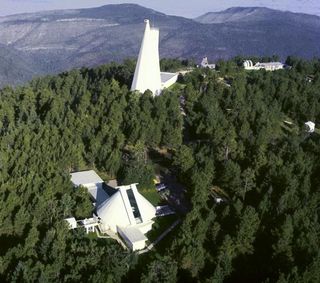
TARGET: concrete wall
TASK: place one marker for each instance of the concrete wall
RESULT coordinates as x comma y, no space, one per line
170,82
138,245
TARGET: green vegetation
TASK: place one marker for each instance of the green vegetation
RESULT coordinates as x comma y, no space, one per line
231,140
161,224
81,119
151,195
174,65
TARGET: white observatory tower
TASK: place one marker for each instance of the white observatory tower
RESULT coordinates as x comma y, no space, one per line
147,73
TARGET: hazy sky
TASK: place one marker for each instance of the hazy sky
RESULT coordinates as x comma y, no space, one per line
186,8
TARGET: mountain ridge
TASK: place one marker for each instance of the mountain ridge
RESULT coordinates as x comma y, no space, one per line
55,41
247,13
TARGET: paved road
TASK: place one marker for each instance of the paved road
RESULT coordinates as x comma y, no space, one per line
165,233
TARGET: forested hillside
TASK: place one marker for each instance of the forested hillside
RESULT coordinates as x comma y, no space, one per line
232,142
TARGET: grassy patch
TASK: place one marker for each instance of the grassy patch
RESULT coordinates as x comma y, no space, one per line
92,236
151,195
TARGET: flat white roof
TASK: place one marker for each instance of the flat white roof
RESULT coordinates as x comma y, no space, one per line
133,234
270,64
72,222
310,124
85,177
89,221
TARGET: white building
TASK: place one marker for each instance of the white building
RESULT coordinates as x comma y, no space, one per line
133,237
125,211
90,180
248,65
310,126
168,79
128,213
269,66
72,223
205,63
89,224
147,74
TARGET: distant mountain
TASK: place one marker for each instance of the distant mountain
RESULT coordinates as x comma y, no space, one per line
257,14
15,67
54,41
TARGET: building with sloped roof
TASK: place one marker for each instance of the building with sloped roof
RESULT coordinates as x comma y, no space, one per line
128,213
124,210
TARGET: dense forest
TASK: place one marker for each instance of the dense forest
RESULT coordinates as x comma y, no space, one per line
226,136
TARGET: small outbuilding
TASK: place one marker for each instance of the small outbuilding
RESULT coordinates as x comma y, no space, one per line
89,224
72,223
205,63
310,126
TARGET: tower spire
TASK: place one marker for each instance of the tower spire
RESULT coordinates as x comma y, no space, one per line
147,72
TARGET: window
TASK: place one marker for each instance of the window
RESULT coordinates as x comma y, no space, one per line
134,206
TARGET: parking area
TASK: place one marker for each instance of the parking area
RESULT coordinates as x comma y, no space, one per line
174,193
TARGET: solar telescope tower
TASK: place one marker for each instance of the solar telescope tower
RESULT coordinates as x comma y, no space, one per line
147,72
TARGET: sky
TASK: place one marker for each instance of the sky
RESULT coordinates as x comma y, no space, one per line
185,8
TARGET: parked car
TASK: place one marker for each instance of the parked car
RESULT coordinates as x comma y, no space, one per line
160,187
